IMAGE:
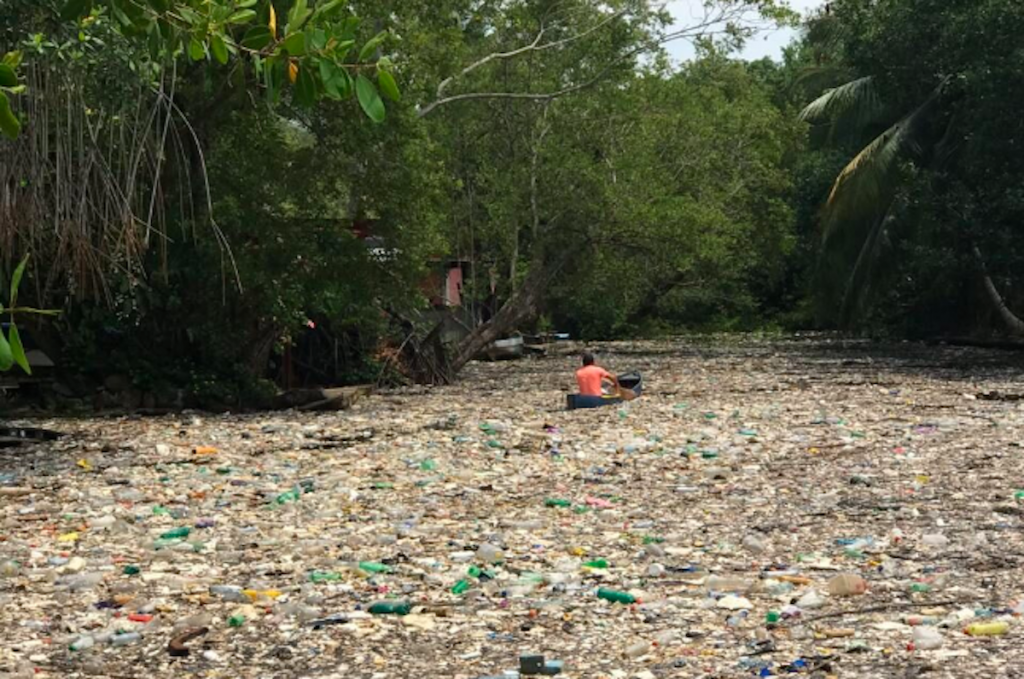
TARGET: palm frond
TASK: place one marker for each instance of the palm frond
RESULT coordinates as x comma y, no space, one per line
864,190
848,109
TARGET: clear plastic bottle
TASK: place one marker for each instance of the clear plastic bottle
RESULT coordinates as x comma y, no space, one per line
927,638
728,583
82,643
125,639
229,593
489,553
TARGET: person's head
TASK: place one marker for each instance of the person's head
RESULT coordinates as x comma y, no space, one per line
588,358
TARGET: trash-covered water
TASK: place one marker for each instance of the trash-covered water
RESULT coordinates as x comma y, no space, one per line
766,508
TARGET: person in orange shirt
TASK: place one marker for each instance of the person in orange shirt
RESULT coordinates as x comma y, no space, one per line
591,376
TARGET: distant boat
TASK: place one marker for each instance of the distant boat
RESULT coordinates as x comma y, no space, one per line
505,349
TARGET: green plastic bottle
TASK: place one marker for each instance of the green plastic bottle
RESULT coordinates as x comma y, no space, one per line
176,534
324,576
596,563
374,567
461,587
391,608
773,617
556,502
236,621
130,570
615,596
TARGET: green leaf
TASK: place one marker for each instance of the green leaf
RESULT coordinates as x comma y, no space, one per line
16,280
18,351
331,8
296,44
337,82
9,123
219,49
348,31
8,78
242,17
298,14
196,50
371,46
369,99
257,37
305,87
75,9
317,39
245,4
160,5
388,86
13,59
6,356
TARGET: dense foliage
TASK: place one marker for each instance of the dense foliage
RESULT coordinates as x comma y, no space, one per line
212,214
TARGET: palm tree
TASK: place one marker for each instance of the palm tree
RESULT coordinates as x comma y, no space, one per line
859,213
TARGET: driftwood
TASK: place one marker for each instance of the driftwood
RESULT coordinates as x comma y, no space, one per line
341,398
16,436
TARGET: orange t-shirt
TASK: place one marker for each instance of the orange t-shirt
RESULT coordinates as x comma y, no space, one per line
589,378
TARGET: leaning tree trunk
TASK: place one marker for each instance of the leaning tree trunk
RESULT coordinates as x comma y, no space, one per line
1014,324
521,308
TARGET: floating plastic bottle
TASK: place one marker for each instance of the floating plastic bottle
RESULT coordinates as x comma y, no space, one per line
229,592
391,608
987,629
176,533
83,642
616,597
927,638
557,502
596,563
324,576
125,639
374,567
489,553
727,583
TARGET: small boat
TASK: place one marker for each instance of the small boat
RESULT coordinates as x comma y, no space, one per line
505,349
631,386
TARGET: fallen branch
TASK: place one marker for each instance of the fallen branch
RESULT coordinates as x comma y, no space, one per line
874,609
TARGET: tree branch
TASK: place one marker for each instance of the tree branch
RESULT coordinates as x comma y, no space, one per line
723,16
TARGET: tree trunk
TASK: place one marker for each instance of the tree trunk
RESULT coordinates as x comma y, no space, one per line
520,308
1014,324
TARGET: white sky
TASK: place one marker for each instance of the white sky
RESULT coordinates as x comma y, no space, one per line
768,44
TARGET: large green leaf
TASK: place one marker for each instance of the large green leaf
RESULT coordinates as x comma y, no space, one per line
16,280
9,123
337,82
331,8
18,351
219,49
74,9
196,50
298,14
257,37
305,87
296,44
8,78
388,86
6,356
242,17
369,99
371,46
